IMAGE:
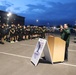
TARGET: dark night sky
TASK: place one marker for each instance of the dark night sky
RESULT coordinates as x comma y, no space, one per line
47,12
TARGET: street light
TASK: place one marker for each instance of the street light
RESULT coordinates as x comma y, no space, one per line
8,15
37,20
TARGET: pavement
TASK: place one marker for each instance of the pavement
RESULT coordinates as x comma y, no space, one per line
15,60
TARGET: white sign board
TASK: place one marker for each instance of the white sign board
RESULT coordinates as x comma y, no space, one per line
38,51
47,53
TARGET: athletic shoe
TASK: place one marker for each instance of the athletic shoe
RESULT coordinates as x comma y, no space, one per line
12,41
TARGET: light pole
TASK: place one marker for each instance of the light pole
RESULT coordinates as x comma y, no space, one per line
8,16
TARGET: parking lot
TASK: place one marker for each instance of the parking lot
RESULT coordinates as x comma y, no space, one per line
15,60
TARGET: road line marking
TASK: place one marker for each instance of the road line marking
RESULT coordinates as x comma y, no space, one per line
68,64
27,45
15,55
73,44
72,50
30,58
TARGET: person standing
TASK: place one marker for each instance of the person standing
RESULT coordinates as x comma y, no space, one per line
75,35
65,35
12,34
44,31
2,33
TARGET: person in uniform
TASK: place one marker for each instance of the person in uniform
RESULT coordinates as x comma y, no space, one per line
65,35
8,33
2,31
31,32
43,31
24,32
16,33
20,33
12,34
5,30
18,28
1,35
28,31
36,31
75,35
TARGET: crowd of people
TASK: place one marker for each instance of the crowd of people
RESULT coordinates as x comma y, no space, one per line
15,33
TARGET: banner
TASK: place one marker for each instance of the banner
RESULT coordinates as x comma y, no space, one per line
38,51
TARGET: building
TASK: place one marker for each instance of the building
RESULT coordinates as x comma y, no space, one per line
7,18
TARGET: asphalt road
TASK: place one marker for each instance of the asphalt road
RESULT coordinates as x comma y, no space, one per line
15,60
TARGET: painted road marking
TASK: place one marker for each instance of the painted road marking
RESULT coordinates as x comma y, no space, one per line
30,58
72,50
71,65
27,45
73,44
15,55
